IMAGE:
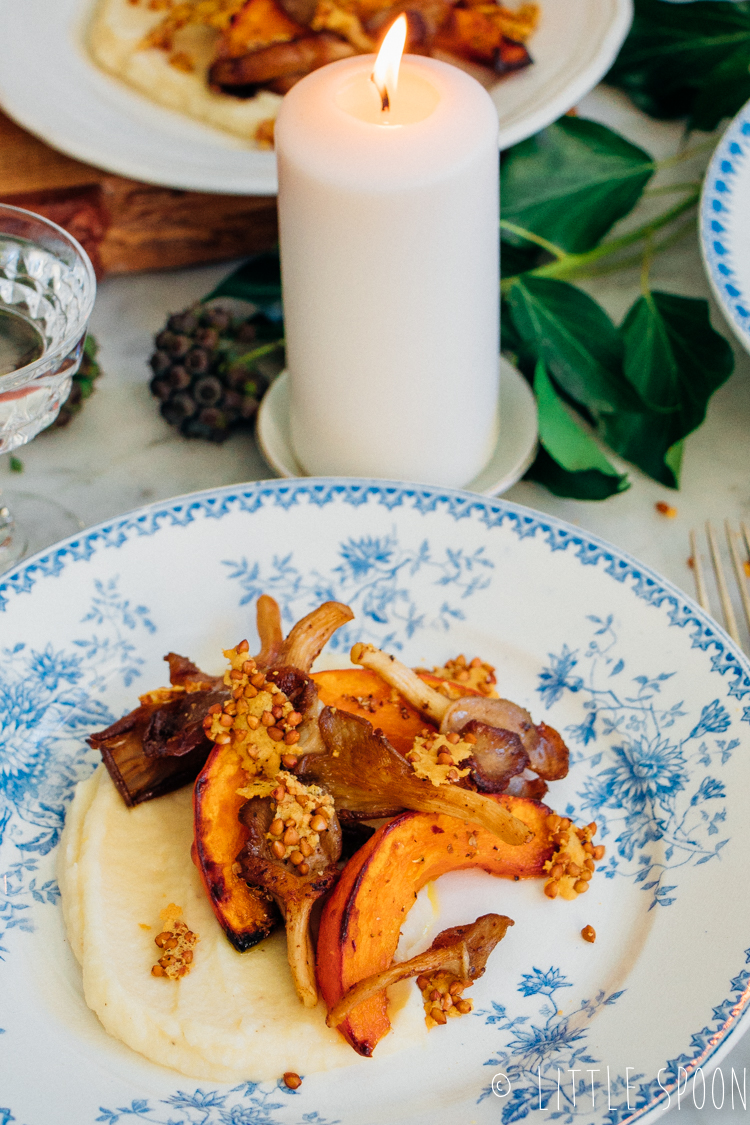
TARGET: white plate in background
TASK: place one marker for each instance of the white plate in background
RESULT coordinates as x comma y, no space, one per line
50,86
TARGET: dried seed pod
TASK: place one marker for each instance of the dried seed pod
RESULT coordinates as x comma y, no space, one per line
207,352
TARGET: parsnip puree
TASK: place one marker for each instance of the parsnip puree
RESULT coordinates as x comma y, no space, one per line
115,40
234,1016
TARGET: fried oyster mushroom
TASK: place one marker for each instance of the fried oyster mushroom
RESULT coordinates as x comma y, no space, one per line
306,638
271,712
164,743
292,853
511,753
368,778
456,958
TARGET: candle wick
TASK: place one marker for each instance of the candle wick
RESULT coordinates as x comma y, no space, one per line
385,102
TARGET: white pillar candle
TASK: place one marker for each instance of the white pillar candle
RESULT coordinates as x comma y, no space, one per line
389,256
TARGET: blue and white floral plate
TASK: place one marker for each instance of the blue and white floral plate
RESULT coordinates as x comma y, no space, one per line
651,695
725,225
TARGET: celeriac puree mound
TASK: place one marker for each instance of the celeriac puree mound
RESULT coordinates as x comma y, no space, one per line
235,1016
115,38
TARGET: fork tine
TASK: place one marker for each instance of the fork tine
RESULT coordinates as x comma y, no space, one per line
700,582
721,585
739,570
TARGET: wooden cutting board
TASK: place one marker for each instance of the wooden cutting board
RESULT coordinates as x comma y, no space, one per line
126,225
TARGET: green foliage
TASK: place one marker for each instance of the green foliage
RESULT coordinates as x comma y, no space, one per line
572,182
82,385
571,462
641,387
572,334
687,60
257,281
673,355
676,360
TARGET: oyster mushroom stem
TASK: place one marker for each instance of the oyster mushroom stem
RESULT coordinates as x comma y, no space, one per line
308,637
300,952
462,951
295,903
293,892
279,61
406,682
268,617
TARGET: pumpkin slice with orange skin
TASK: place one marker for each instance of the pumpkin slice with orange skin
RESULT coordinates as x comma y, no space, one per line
243,913
361,922
246,914
365,693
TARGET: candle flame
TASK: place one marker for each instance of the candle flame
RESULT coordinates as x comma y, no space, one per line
388,62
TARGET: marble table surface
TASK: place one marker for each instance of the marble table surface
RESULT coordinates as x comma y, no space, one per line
119,453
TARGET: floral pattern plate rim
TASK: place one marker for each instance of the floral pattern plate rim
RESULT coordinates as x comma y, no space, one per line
651,695
724,229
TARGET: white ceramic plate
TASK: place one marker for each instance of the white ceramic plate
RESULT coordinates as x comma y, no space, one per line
725,224
49,85
651,695
514,451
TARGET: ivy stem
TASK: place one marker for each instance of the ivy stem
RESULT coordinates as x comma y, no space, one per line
648,253
670,161
529,236
256,353
668,189
636,259
573,265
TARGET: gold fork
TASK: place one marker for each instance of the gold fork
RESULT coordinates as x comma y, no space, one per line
740,566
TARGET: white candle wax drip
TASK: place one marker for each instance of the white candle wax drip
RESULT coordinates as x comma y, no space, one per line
389,253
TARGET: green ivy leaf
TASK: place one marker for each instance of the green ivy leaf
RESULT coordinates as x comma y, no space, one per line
569,462
570,183
258,281
687,60
675,360
580,346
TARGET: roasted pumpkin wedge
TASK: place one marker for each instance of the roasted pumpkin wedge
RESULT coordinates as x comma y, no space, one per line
365,693
246,914
361,920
